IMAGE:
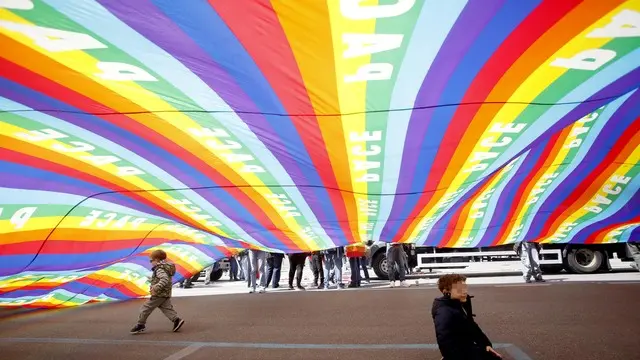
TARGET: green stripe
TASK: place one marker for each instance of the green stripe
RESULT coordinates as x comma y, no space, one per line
379,93
568,161
44,15
29,124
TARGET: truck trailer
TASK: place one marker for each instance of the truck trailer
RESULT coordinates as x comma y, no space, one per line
554,258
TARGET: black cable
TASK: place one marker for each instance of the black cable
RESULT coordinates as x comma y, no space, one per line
424,107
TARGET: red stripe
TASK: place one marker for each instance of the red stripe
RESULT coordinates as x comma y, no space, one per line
20,158
448,237
533,175
69,247
38,83
598,235
281,71
530,30
452,231
598,176
120,285
526,188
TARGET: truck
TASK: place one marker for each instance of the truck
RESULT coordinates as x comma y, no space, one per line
554,258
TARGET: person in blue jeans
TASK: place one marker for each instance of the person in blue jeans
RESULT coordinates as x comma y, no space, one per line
274,266
233,269
333,259
209,270
363,264
257,262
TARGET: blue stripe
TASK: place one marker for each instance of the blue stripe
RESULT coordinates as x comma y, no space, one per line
103,22
620,211
163,159
510,193
432,27
492,36
606,140
209,31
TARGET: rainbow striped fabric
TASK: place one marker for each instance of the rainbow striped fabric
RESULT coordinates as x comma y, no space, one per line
204,127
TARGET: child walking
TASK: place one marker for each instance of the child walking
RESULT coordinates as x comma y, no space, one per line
160,289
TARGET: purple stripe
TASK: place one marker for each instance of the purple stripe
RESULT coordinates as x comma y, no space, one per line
467,28
174,41
627,214
609,134
142,148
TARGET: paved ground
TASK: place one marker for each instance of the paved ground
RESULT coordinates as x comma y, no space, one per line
225,287
548,321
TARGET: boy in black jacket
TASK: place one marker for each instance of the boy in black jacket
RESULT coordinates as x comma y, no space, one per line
459,337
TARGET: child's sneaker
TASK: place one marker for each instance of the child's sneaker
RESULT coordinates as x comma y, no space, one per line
177,324
137,329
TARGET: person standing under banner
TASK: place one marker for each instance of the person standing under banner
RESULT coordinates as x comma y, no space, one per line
241,258
529,253
209,270
274,267
364,263
233,268
633,247
355,252
317,268
296,266
257,264
395,262
333,260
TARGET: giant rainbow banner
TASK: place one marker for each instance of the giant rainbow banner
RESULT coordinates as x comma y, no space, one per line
205,127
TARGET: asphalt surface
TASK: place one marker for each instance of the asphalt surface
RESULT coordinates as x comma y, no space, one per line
546,321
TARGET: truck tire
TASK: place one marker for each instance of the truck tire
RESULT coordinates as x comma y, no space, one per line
584,260
379,265
216,275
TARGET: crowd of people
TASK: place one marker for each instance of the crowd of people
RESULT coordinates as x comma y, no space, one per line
263,269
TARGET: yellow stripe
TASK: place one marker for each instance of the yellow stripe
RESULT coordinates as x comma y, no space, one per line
633,158
470,222
559,159
532,87
612,236
87,65
159,196
352,95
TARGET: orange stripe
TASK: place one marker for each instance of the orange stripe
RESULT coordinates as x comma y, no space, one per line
521,201
459,225
71,163
321,85
587,190
71,79
566,29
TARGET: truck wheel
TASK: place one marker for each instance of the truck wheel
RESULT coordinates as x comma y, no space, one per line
584,260
216,275
379,265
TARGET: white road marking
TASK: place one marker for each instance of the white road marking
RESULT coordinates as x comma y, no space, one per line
184,352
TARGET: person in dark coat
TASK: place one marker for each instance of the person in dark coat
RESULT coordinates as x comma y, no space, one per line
274,266
296,266
459,336
318,271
